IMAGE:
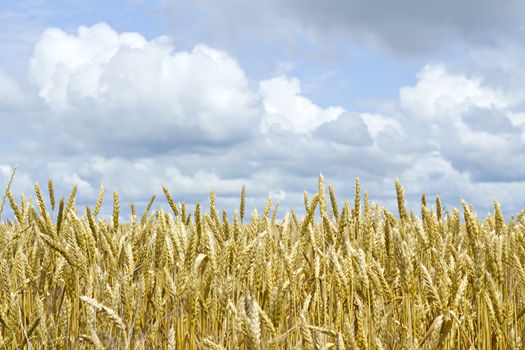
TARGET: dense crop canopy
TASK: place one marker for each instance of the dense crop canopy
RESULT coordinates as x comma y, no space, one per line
346,276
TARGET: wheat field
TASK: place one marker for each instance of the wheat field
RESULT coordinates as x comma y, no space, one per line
349,275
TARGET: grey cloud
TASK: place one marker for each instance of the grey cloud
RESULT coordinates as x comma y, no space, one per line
498,167
416,138
407,26
488,120
135,135
411,25
347,129
305,157
488,157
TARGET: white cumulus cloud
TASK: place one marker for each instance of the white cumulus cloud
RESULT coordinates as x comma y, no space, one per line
287,108
439,93
143,84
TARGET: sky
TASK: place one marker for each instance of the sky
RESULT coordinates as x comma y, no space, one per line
208,95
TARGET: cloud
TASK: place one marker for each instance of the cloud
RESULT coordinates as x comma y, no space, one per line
466,119
407,26
488,120
11,95
287,109
102,80
347,129
136,113
439,94
378,124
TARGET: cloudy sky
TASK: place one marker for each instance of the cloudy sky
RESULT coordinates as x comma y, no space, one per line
212,94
